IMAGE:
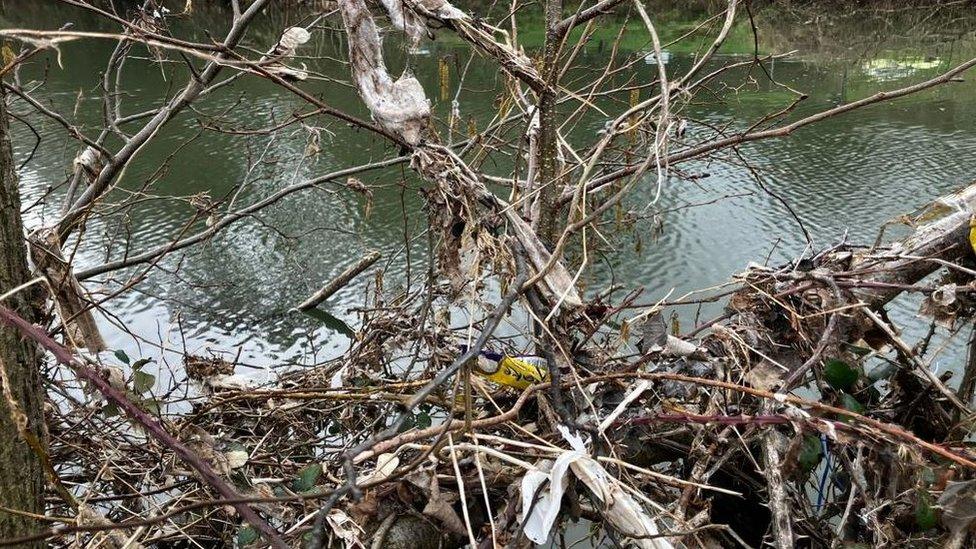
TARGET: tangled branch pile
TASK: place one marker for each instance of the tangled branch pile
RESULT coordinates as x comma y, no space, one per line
799,417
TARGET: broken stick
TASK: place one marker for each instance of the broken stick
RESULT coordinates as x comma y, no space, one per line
338,282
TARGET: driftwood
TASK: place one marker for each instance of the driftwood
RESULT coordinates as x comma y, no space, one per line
941,238
642,428
73,308
689,433
338,282
829,301
856,281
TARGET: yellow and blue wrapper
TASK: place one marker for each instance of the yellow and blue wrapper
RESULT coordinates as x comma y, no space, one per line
510,371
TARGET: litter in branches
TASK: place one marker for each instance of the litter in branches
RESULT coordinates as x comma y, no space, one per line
499,395
657,410
399,106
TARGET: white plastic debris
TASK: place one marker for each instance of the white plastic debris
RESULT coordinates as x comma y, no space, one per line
287,45
544,508
541,501
620,509
232,382
385,465
291,39
345,528
160,12
236,458
406,20
399,106
87,159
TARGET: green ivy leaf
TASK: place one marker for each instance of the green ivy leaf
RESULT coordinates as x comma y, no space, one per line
331,322
110,410
141,362
408,423
150,406
850,403
925,516
840,375
142,381
307,478
810,453
120,354
246,535
422,420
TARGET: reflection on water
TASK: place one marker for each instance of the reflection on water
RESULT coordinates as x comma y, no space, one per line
650,58
884,70
846,176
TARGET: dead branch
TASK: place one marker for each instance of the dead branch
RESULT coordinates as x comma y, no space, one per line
338,282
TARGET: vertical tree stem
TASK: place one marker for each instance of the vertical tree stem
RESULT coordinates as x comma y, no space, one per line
21,405
548,132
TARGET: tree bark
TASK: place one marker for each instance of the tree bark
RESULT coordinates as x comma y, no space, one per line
548,129
21,408
340,281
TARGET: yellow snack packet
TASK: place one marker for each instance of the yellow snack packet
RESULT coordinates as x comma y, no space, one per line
515,372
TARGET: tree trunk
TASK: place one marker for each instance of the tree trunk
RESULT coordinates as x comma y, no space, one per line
21,408
548,163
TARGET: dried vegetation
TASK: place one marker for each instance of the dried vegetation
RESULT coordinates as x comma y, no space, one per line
799,417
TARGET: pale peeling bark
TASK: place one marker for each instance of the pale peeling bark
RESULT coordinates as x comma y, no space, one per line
558,282
530,206
340,281
779,503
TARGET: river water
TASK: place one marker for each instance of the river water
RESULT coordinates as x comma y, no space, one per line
232,295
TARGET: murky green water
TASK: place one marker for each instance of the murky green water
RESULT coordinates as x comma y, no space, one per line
847,175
